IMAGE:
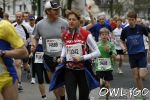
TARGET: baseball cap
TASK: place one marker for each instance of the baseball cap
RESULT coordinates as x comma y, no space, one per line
52,5
31,17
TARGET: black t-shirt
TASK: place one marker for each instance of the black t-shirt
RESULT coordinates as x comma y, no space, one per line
133,31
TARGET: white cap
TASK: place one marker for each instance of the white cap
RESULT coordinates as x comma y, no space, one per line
52,5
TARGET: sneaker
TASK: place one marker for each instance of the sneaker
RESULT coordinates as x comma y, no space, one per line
91,98
44,98
120,71
33,81
20,88
142,98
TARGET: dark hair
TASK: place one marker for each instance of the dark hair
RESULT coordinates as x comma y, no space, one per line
74,12
38,19
132,14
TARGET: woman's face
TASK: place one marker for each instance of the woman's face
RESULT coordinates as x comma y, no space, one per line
73,21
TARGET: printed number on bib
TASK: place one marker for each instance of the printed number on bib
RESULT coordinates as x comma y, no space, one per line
104,64
53,45
73,50
38,57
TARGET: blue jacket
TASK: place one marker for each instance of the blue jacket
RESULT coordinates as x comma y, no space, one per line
8,61
58,78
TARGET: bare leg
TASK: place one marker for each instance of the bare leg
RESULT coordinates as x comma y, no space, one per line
10,92
1,97
42,89
138,79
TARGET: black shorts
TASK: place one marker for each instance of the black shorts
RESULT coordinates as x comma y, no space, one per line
106,75
120,52
138,60
50,62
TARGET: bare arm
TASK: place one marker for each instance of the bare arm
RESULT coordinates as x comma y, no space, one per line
34,44
17,53
123,46
93,22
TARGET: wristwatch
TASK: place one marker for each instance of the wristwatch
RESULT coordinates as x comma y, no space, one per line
2,53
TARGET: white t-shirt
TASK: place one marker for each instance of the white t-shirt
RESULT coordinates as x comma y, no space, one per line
117,34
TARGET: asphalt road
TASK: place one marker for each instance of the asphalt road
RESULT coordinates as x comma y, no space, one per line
124,82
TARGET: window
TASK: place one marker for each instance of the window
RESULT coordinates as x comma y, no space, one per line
8,7
20,7
24,6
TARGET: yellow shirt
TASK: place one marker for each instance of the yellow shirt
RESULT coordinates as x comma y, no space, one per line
9,34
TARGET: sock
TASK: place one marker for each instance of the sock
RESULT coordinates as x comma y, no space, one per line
62,98
44,96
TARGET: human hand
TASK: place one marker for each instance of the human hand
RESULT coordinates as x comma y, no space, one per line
89,8
78,58
107,48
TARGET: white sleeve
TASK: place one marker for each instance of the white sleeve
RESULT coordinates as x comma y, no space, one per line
63,53
93,48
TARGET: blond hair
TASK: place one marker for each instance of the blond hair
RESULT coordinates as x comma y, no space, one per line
104,30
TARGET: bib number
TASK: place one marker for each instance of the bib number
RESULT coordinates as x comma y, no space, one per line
53,45
73,50
38,57
104,64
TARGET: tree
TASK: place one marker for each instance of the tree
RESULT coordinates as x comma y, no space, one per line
34,6
14,5
118,8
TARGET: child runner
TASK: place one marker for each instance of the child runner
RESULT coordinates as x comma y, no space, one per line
104,62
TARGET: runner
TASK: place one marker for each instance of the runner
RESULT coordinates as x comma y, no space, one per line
23,30
104,64
100,24
133,36
50,30
116,38
11,46
74,50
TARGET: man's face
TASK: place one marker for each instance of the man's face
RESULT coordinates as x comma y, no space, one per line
19,17
139,21
53,13
32,22
101,19
132,21
26,17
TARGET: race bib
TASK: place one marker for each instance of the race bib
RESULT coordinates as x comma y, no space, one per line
73,50
54,45
104,64
1,69
38,57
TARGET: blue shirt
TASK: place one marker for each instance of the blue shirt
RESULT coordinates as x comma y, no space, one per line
96,28
134,38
